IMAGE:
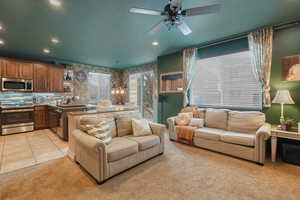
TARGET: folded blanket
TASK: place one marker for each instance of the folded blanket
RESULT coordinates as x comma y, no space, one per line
185,133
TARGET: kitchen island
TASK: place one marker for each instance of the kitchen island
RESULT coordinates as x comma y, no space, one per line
74,117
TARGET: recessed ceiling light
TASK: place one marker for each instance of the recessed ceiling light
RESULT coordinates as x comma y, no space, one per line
55,40
1,42
47,51
1,27
155,43
55,2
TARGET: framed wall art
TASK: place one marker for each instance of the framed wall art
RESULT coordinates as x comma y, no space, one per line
291,68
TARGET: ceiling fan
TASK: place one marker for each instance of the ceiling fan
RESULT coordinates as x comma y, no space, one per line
174,15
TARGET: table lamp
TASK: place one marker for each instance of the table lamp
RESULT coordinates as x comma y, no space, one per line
283,97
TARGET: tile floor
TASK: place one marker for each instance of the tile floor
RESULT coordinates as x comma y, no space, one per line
27,149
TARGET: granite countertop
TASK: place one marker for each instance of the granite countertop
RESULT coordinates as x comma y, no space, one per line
106,110
87,106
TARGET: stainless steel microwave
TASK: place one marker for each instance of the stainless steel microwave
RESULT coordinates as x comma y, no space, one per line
22,85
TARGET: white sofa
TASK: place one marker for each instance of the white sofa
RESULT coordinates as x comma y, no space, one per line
125,151
240,134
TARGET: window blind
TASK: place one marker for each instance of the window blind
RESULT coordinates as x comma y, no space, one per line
226,81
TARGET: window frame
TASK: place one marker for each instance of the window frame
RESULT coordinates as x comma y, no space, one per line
242,108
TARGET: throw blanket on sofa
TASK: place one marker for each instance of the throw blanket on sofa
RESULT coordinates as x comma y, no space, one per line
185,133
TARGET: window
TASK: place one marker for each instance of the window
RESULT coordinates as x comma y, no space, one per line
226,81
99,87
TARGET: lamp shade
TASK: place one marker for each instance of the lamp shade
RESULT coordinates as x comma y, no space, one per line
283,97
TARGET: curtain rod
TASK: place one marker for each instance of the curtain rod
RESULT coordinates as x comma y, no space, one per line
245,34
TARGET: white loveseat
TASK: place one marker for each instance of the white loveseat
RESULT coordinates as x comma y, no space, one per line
240,134
103,161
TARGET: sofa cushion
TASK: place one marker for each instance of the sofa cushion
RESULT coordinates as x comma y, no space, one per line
145,142
124,126
121,147
124,122
239,138
216,118
140,127
245,122
209,133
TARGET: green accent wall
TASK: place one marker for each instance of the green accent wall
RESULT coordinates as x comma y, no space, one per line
172,103
286,43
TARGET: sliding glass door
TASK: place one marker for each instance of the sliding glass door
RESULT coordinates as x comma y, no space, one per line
141,93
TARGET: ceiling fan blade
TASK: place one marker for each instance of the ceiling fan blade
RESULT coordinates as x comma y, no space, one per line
157,26
184,28
202,10
146,11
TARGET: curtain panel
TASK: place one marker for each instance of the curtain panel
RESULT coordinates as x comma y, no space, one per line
260,44
189,61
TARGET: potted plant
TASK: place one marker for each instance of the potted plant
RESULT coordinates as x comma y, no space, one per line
288,123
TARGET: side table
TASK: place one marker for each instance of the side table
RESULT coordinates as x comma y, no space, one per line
278,133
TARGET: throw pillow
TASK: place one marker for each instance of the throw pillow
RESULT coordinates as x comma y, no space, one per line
187,114
196,122
97,128
105,137
141,127
182,120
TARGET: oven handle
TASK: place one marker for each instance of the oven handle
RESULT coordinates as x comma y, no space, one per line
17,110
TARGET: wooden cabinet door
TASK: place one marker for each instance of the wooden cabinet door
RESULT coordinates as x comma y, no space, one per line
10,69
25,70
56,79
40,78
17,69
41,117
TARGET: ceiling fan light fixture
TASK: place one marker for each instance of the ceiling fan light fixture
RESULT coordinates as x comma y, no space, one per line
155,43
174,15
56,3
46,51
54,40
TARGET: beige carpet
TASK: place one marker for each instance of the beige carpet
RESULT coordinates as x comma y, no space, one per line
183,172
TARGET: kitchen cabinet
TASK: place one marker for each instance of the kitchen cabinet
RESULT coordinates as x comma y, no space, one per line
26,70
16,69
40,76
54,119
56,79
41,117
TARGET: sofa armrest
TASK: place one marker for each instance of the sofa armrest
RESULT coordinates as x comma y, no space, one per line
171,123
264,131
158,129
172,133
89,142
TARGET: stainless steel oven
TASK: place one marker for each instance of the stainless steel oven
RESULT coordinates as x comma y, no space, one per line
17,120
22,85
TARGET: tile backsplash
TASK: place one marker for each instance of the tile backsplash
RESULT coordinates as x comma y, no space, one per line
28,98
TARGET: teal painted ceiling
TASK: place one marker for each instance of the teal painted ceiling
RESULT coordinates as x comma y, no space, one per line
104,33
